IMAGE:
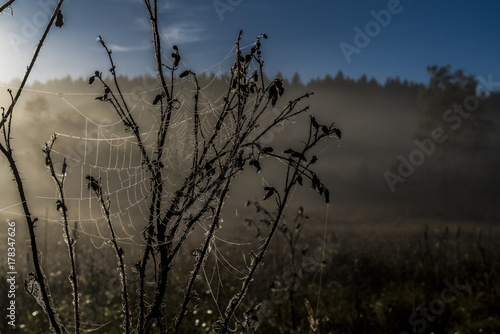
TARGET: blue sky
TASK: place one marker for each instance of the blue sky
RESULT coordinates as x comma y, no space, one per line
304,37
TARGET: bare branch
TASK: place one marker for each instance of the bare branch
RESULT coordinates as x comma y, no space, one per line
32,63
6,5
95,185
61,207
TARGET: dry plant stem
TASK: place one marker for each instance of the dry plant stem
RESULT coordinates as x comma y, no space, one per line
294,170
213,167
69,241
155,202
153,16
118,250
163,245
123,111
163,269
202,256
292,243
155,212
8,153
156,177
39,275
236,300
166,258
32,63
292,290
292,239
157,184
6,5
129,122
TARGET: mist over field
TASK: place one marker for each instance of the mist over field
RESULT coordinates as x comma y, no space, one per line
249,167
379,123
392,188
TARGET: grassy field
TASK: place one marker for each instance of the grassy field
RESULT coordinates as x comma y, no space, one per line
420,276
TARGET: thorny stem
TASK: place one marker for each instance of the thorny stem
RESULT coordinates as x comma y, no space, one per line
39,275
153,16
32,63
7,4
292,242
127,118
156,178
291,180
97,188
236,300
212,166
8,153
69,241
202,256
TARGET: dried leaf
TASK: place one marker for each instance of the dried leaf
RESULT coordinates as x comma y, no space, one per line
59,19
338,133
255,163
177,59
255,76
60,206
313,322
92,183
279,87
64,167
157,99
275,90
314,123
316,184
299,180
270,192
267,150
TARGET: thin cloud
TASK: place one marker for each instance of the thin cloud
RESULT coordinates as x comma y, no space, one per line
183,32
119,48
166,6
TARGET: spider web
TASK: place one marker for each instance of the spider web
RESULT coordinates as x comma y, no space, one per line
110,154
115,160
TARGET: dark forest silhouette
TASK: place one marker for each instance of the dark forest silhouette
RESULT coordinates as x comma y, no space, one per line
382,120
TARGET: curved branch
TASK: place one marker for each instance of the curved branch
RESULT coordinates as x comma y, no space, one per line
6,5
32,63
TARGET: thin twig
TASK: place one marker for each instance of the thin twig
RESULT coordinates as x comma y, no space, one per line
202,256
7,4
8,153
61,206
96,186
